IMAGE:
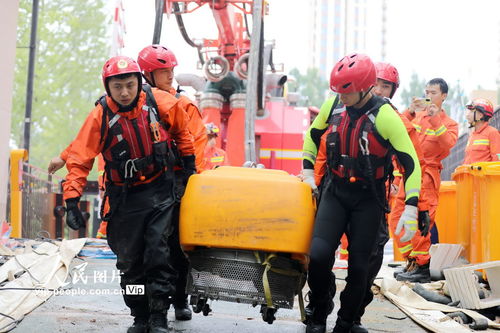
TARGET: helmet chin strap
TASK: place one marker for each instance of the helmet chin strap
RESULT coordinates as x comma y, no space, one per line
362,96
474,120
151,82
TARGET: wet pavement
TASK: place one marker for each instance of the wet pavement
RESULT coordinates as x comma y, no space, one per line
93,304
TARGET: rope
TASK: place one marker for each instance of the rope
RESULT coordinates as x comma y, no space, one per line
287,272
130,168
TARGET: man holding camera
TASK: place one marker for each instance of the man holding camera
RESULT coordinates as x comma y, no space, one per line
438,133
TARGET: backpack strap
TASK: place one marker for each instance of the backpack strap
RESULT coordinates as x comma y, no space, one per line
334,118
332,109
150,97
105,108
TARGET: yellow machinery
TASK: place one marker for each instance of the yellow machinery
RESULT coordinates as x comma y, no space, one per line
247,233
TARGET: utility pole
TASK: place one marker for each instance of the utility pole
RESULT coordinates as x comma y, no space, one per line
384,28
31,74
252,86
346,12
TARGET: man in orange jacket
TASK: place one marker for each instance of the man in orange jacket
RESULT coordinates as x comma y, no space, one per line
214,156
438,134
126,127
157,64
484,143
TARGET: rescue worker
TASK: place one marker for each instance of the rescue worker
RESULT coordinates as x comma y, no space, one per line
126,127
484,142
214,157
357,132
386,86
157,64
437,134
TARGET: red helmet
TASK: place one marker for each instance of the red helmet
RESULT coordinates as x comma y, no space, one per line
156,56
119,65
482,105
353,73
387,72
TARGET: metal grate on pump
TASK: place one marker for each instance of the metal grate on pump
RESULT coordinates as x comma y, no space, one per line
237,276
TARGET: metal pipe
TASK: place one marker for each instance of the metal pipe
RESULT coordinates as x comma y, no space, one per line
31,74
253,69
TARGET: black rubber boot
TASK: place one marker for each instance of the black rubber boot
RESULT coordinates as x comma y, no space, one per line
317,321
409,266
358,328
419,274
140,325
342,326
158,323
182,310
309,309
313,327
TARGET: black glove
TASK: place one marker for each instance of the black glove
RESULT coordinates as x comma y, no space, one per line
188,166
74,217
424,222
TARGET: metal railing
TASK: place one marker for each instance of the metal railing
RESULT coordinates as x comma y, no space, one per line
39,190
36,206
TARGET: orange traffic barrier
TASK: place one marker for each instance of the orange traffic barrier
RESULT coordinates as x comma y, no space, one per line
487,175
446,214
467,211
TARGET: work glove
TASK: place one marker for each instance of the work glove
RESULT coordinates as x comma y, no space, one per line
424,222
308,178
189,167
74,217
408,221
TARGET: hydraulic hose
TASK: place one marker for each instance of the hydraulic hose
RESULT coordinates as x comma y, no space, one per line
182,29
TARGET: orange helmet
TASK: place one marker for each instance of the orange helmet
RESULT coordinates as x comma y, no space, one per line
212,129
482,105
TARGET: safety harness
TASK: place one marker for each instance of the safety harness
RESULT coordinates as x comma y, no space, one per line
355,150
135,150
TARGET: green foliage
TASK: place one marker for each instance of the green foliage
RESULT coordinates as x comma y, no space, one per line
72,45
311,86
416,88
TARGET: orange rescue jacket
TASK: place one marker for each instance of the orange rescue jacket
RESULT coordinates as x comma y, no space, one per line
437,134
215,157
88,144
196,127
100,166
483,145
